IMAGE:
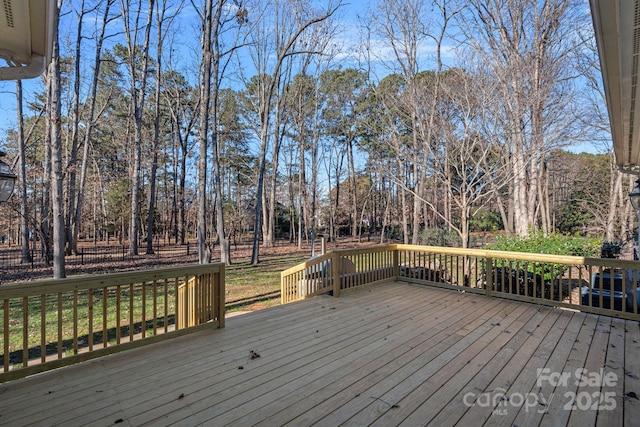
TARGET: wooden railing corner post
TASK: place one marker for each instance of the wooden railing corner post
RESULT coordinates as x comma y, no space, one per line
282,288
335,273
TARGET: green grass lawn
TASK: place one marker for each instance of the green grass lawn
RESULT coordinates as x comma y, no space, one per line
248,287
245,281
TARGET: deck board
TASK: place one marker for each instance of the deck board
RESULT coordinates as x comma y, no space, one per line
391,354
448,390
413,390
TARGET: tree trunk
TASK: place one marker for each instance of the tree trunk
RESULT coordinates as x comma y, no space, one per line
22,182
519,194
204,253
77,214
56,158
182,212
138,94
269,230
72,245
156,130
257,224
353,197
266,93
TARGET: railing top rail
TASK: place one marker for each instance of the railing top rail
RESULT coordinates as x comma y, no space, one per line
24,289
365,250
481,253
308,263
526,256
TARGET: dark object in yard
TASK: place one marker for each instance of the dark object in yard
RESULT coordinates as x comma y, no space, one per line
521,282
432,272
421,273
600,287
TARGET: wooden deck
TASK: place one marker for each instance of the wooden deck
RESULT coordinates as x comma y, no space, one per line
392,354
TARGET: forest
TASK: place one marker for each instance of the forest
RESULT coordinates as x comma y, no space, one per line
420,121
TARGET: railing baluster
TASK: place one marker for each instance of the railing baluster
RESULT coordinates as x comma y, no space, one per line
43,328
90,319
118,314
25,331
155,307
143,323
635,291
60,321
591,285
6,355
131,313
105,318
601,287
166,306
75,322
559,279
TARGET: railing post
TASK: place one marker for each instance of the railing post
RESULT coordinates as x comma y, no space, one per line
335,272
220,289
488,286
396,265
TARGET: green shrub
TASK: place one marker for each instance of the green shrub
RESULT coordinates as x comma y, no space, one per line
439,236
610,250
553,244
486,220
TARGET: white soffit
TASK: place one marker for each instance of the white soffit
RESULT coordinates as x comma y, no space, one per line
26,28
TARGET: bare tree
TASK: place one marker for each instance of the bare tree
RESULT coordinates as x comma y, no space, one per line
183,105
595,118
208,22
89,123
160,11
215,19
470,171
57,175
71,167
407,28
527,45
22,179
285,22
138,74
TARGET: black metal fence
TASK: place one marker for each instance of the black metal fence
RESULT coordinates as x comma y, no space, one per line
11,256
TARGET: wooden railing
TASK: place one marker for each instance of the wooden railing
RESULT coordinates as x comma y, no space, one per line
354,268
52,323
594,285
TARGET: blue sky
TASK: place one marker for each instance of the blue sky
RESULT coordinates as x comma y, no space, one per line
188,27
348,41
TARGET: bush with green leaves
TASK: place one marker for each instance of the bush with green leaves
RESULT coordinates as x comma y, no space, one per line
610,249
553,244
486,220
439,236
